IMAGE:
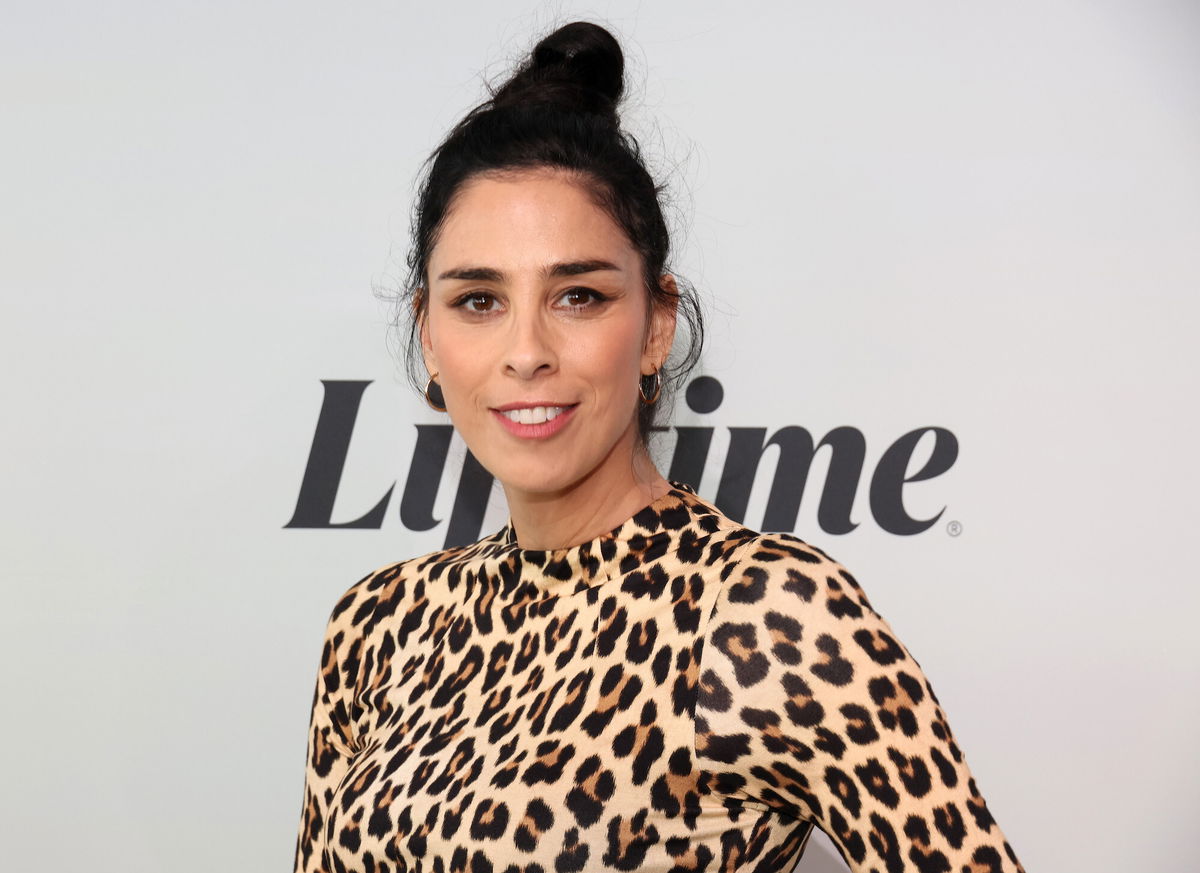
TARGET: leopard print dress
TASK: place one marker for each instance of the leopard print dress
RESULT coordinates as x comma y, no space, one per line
680,694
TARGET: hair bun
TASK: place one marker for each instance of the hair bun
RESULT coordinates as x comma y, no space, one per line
577,67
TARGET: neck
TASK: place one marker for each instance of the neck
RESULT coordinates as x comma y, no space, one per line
586,509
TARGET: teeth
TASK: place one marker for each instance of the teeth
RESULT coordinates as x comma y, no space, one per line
534,415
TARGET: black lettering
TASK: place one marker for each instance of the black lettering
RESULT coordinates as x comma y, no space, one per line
424,476
327,459
470,503
690,455
704,394
848,450
887,485
339,413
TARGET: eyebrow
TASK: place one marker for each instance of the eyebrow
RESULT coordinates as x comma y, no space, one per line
565,268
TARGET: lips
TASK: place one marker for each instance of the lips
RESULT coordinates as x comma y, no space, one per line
533,414
533,420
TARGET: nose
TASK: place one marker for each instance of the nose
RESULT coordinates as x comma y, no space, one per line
531,349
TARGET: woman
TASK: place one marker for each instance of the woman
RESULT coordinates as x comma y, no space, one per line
622,678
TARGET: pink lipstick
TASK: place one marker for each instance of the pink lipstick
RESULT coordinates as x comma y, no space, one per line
535,420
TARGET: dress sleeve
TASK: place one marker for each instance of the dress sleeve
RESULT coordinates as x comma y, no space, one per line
809,704
331,736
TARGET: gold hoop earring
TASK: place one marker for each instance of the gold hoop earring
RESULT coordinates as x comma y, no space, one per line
429,398
657,375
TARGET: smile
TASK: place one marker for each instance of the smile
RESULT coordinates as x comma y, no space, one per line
534,415
535,421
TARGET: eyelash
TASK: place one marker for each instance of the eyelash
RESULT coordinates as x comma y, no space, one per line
465,300
596,296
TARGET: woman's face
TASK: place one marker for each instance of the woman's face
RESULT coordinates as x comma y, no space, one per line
539,328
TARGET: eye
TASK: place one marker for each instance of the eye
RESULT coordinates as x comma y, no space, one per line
476,301
581,298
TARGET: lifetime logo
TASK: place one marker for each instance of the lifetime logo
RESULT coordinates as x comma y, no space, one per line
847,459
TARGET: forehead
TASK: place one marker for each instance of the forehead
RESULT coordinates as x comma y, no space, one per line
524,220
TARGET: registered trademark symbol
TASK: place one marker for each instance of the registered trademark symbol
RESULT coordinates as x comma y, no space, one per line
954,528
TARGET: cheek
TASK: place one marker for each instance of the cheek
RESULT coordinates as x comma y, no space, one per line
458,360
613,357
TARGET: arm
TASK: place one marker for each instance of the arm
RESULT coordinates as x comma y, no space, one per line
331,741
808,703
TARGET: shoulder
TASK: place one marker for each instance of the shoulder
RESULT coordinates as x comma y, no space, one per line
809,703
788,608
781,565
785,600
385,589
753,565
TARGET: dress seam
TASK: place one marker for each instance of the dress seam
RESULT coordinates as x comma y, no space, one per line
703,636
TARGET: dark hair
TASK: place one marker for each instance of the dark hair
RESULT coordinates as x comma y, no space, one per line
558,109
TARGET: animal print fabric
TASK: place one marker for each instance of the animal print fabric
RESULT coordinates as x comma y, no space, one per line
680,694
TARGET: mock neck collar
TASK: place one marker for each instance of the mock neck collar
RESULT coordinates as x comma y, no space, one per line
518,574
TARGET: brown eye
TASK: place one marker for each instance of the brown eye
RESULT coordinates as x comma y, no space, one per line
478,301
578,298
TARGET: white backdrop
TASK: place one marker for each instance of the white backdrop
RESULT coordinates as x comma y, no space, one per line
979,218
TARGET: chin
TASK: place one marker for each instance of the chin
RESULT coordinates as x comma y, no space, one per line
537,481
535,477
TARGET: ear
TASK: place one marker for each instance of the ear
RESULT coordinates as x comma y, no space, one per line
422,320
662,327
